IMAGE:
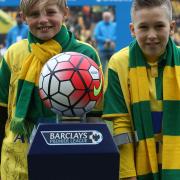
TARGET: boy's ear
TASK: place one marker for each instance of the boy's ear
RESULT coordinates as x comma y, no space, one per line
172,27
131,27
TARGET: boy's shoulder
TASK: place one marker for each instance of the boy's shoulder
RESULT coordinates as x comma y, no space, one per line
17,52
19,46
121,56
122,52
85,48
120,60
84,45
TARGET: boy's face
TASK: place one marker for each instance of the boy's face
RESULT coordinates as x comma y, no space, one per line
45,21
152,28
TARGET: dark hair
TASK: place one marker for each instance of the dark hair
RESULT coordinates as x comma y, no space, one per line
140,4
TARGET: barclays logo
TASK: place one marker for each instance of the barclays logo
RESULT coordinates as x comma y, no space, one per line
84,137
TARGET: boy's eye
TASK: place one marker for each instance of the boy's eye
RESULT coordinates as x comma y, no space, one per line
51,12
34,14
143,27
160,26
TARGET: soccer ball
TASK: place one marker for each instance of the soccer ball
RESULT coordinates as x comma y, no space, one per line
71,84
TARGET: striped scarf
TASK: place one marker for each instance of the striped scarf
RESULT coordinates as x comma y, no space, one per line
40,53
146,156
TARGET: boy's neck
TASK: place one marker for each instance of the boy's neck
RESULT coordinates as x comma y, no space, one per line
152,60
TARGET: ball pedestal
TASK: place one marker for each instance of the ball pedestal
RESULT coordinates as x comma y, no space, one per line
68,151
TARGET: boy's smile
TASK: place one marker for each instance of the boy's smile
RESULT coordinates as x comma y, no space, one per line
152,30
44,28
45,22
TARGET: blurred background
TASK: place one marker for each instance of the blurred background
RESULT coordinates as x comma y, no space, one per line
82,21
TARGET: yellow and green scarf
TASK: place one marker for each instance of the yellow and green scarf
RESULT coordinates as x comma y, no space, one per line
146,157
40,53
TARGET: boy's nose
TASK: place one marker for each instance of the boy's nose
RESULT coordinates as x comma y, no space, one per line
43,18
152,34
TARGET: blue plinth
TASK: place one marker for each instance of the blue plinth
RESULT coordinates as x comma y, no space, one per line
73,152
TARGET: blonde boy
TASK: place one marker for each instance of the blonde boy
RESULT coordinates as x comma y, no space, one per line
20,105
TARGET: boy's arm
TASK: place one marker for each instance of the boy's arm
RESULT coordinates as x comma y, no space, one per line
4,90
115,109
3,118
122,125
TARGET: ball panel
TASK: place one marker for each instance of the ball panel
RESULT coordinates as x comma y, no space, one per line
45,71
92,63
63,57
94,72
86,77
83,102
63,65
47,103
90,106
41,81
54,86
42,94
58,106
45,85
95,84
66,88
76,60
61,98
77,81
51,64
75,96
84,64
64,75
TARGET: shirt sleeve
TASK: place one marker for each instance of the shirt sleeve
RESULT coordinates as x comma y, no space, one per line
127,163
114,103
4,82
115,109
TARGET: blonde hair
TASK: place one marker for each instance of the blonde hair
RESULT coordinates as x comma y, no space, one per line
140,4
26,5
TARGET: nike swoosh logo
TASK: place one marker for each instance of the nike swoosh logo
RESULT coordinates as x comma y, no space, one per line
98,90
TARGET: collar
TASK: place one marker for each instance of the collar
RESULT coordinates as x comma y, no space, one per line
161,61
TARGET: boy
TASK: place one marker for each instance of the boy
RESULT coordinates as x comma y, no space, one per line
142,95
20,105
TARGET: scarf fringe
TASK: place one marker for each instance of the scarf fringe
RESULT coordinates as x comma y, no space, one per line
20,127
